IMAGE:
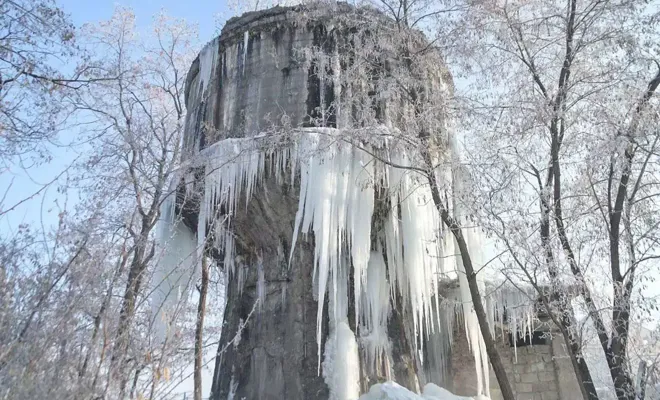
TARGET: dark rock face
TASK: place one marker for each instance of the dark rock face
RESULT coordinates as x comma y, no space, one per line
254,78
275,354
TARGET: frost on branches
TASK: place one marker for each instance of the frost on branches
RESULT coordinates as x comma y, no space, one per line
339,182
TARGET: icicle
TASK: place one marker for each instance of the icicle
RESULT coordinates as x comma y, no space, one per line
394,251
242,275
341,364
207,63
336,204
246,39
261,283
233,385
176,264
520,312
360,206
375,312
421,245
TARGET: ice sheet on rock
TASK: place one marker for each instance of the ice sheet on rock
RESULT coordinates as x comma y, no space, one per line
207,62
176,264
246,40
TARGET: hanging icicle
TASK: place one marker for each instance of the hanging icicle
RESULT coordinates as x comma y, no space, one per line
375,314
339,183
177,262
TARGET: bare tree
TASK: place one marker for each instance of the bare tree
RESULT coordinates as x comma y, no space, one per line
199,329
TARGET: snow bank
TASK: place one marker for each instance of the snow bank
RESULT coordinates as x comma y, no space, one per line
393,391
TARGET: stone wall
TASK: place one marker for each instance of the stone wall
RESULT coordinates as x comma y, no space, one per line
537,372
533,372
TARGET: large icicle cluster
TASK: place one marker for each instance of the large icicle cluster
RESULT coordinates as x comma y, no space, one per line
513,309
339,184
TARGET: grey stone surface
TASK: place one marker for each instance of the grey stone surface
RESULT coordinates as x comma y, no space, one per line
533,373
276,357
568,384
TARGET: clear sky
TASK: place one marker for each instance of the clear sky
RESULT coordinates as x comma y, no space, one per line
201,12
19,183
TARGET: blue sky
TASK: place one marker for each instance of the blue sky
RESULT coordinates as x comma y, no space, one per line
201,12
19,183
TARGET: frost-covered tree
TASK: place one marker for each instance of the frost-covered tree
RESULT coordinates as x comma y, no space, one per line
560,115
76,316
36,37
136,127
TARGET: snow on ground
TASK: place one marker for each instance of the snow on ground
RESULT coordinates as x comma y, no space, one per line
393,391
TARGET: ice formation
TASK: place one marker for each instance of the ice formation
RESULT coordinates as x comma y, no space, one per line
339,183
341,364
207,60
375,313
177,264
246,41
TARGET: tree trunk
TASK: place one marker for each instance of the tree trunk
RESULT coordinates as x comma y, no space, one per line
199,329
491,347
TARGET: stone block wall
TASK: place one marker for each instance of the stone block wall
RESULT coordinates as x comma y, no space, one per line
537,372
532,372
